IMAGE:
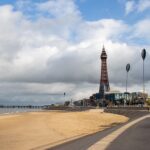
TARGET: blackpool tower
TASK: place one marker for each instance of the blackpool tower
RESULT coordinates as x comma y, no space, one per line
104,81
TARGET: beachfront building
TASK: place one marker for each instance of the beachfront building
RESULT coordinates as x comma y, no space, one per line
119,98
109,98
116,98
85,102
138,98
113,98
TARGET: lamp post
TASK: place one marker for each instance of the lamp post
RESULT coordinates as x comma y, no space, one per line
127,69
64,95
143,54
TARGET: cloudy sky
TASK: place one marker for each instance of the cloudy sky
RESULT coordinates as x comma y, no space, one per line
48,47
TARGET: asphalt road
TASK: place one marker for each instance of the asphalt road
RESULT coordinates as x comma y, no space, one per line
136,137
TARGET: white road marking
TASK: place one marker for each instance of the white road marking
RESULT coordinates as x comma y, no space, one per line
106,141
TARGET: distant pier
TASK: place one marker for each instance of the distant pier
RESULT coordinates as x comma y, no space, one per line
22,106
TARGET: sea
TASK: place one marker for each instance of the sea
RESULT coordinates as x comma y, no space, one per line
7,111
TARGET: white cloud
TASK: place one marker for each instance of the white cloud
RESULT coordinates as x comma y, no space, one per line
101,30
130,6
136,6
143,5
57,8
141,29
9,32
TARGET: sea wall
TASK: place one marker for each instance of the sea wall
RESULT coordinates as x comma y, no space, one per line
131,112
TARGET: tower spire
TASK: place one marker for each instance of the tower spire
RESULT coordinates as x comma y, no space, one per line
103,46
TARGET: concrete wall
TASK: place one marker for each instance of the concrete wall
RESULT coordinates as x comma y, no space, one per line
131,112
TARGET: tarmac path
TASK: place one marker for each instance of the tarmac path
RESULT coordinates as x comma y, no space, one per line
130,136
136,137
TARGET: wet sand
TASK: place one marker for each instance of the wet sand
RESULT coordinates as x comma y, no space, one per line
32,130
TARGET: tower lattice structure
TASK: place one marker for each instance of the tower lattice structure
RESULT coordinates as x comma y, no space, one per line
104,81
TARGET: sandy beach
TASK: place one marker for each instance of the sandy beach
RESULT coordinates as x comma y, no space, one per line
35,129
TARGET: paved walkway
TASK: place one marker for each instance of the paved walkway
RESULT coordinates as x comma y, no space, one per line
133,135
135,138
116,140
85,142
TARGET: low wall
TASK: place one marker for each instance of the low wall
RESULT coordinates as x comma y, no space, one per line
129,108
131,112
68,108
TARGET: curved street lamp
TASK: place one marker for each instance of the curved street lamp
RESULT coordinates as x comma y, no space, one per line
143,54
127,69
